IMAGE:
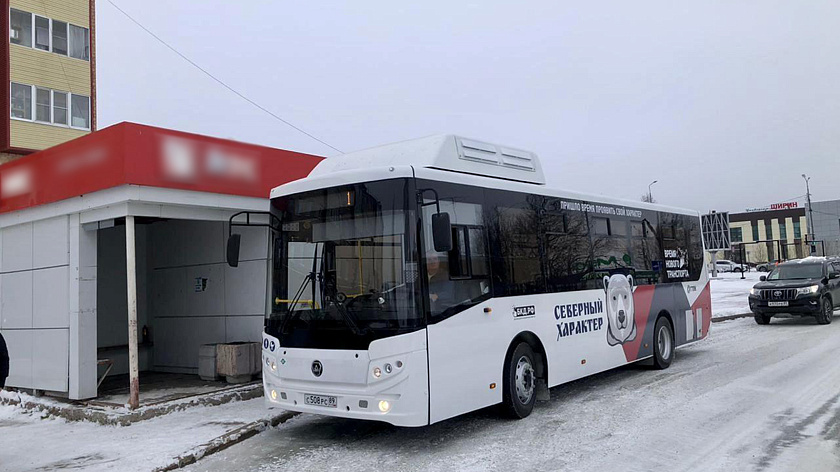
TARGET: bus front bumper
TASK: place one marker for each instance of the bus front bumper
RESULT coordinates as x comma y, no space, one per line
347,388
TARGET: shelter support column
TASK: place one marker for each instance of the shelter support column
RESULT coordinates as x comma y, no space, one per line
131,277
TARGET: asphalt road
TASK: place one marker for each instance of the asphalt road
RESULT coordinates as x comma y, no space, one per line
761,398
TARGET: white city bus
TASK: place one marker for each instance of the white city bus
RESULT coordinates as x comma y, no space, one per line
421,280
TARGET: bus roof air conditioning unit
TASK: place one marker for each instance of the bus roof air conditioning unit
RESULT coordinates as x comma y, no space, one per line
443,152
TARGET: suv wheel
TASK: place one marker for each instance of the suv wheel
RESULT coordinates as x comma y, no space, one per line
762,319
827,312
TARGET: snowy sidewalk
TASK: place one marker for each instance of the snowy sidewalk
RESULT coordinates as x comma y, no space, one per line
729,293
32,440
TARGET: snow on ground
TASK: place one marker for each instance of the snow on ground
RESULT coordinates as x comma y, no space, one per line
29,441
729,293
748,398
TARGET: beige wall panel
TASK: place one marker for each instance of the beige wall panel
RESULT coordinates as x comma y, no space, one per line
45,69
38,136
71,11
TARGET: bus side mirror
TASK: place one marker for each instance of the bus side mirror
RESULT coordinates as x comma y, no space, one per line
763,278
442,232
233,250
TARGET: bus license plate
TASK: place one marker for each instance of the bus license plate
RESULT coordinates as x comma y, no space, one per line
777,303
320,400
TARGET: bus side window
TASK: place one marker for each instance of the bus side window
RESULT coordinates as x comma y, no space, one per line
457,279
566,254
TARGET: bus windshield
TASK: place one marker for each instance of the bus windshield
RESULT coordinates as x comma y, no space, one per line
344,266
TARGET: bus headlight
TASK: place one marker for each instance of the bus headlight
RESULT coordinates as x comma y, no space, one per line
274,394
384,406
273,366
377,372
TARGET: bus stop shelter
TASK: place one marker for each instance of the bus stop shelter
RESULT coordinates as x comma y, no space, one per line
113,245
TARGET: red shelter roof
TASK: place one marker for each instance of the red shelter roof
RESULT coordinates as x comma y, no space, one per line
128,153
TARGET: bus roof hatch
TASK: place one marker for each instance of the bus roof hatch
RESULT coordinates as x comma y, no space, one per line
445,152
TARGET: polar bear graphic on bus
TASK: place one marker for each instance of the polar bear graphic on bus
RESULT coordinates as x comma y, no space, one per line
621,313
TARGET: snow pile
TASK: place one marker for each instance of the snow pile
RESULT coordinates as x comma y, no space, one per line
35,440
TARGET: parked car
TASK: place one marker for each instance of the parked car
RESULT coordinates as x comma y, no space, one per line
724,265
803,287
765,266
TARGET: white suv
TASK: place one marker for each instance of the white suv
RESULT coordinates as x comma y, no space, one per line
729,266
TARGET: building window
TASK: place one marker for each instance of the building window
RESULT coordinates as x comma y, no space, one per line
59,37
755,232
21,101
49,35
42,33
60,108
79,43
797,230
768,230
80,111
736,235
20,27
43,105
783,231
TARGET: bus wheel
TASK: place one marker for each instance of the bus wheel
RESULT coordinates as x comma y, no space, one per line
520,382
663,343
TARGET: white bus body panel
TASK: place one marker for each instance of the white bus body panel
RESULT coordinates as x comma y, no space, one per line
467,351
347,375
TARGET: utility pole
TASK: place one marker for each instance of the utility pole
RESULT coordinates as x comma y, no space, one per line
810,210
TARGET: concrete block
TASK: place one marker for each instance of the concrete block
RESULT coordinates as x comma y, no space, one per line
237,361
207,362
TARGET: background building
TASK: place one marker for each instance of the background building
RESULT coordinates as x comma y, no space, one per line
827,225
50,74
769,234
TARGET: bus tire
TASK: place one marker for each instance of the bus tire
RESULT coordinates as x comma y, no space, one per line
663,343
520,391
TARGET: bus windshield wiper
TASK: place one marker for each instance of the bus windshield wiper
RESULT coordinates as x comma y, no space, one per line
307,278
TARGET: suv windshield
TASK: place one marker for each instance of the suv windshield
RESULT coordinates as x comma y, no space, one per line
796,271
344,266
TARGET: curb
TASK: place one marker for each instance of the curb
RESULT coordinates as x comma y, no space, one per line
731,317
227,440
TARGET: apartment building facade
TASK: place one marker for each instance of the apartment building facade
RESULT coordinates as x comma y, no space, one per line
50,74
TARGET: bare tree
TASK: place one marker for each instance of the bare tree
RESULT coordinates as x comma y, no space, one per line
647,198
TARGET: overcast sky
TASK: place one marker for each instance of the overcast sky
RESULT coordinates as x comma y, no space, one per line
725,103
